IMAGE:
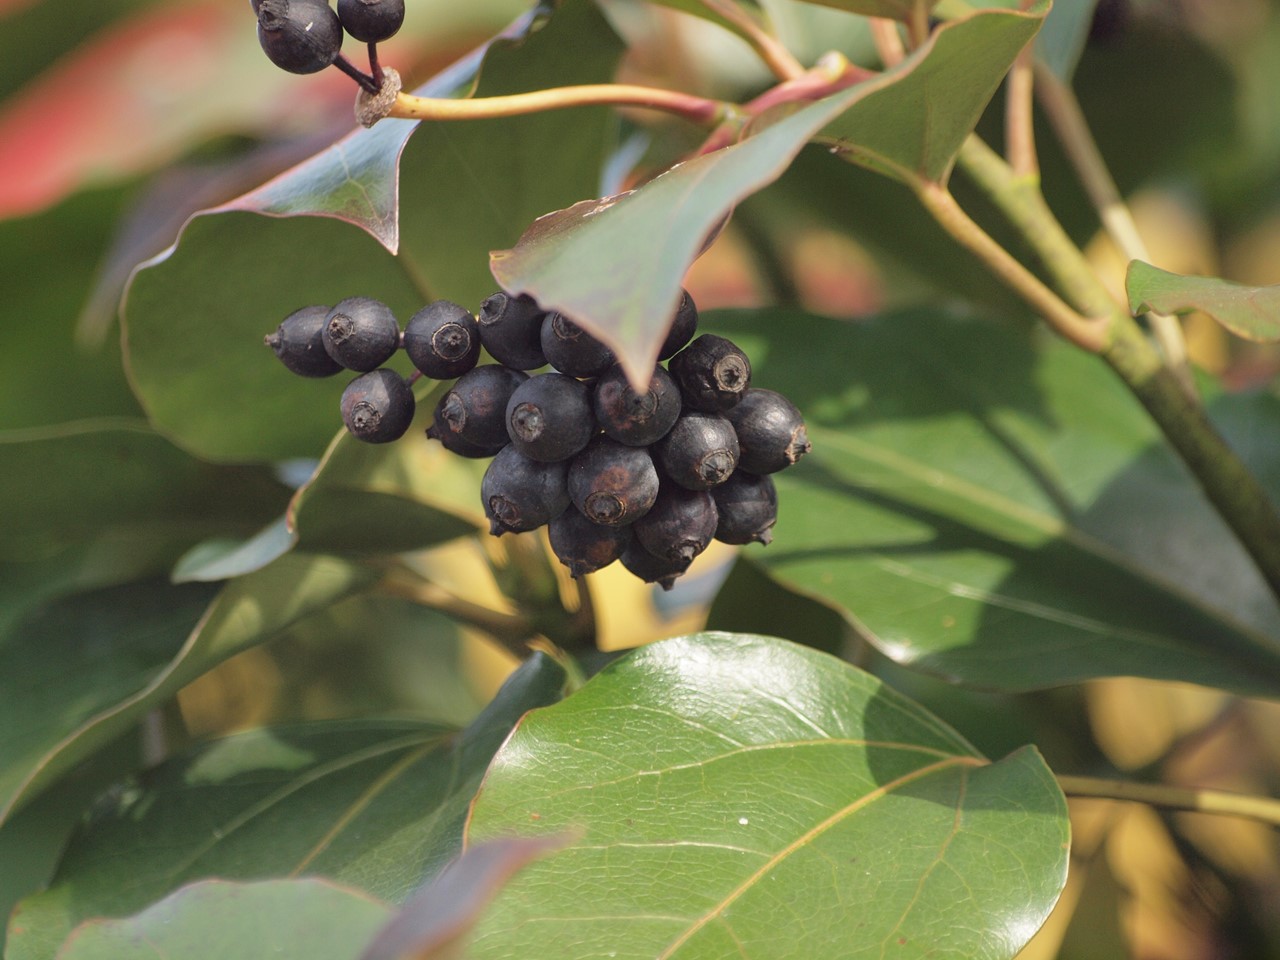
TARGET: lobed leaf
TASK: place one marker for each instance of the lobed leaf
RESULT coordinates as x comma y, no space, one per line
742,796
998,511
1249,312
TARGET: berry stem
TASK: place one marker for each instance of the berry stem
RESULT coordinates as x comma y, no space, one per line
888,41
1169,797
696,109
365,81
1020,137
375,68
775,56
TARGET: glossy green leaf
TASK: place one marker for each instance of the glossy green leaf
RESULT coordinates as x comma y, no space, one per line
751,600
742,796
274,920
128,650
998,510
895,9
378,804
223,559
198,363
1249,312
615,265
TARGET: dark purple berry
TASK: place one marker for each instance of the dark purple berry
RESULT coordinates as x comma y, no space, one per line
699,452
585,547
572,350
371,21
361,333
298,344
748,508
300,36
549,417
511,330
612,483
636,419
649,568
770,431
520,494
713,373
680,525
377,407
442,340
454,442
683,326
474,410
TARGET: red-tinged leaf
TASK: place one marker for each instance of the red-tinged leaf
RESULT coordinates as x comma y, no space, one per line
1249,312
138,95
431,924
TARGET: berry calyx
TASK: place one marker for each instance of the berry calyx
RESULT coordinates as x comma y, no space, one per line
683,326
636,419
300,36
612,483
520,494
549,417
361,333
699,452
378,406
299,345
747,507
442,340
585,547
713,373
679,526
770,429
511,330
371,21
474,409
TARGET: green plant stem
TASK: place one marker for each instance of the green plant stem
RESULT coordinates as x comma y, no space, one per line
888,42
1086,332
1174,798
1019,131
1069,123
696,109
510,630
1226,481
775,56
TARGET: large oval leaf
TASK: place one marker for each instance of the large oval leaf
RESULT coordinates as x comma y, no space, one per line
1249,312
743,796
998,510
377,804
615,265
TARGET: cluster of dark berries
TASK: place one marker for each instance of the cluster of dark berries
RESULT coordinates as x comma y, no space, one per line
649,478
305,36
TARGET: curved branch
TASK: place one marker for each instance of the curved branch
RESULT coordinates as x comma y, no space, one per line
1191,799
695,109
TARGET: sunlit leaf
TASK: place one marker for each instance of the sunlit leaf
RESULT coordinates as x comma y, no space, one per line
1249,312
742,796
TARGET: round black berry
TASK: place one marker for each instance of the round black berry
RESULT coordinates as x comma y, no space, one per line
699,452
371,21
454,442
474,410
649,568
298,344
683,326
300,36
361,333
612,483
520,494
770,431
572,350
442,340
511,330
679,526
377,407
636,419
747,506
549,417
585,547
713,373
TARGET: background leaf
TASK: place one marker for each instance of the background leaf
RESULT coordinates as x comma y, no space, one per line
271,920
1249,312
378,804
997,510
659,761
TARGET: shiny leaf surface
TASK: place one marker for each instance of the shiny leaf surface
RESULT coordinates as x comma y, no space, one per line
1249,312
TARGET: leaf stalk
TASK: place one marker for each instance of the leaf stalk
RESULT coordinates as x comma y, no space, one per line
1191,799
695,109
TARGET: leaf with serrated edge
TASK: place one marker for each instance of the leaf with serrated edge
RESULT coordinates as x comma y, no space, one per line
615,265
720,780
997,510
1249,312
249,921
